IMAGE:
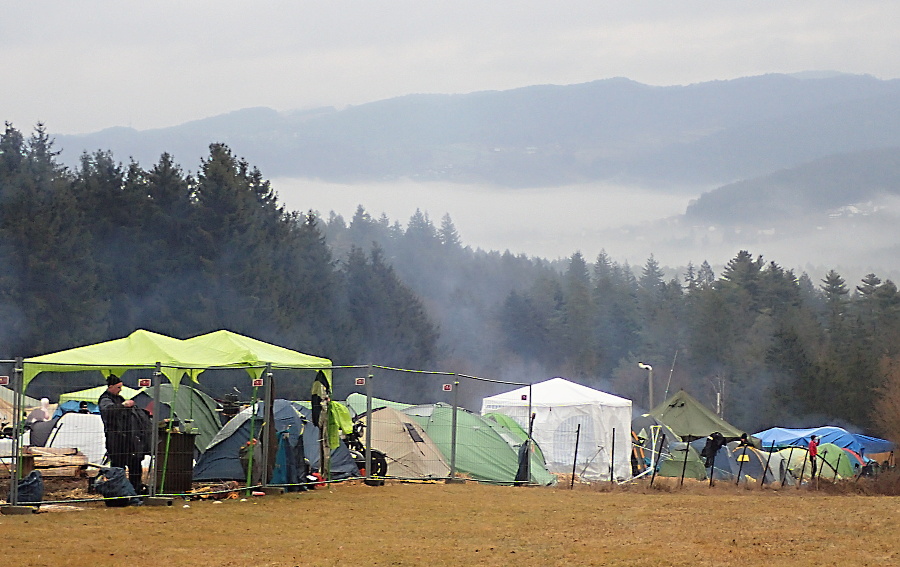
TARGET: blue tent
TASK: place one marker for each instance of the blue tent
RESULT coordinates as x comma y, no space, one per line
862,444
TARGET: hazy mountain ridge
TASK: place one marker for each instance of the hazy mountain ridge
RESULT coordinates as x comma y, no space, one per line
544,135
808,191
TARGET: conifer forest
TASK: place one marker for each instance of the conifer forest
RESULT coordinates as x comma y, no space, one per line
94,252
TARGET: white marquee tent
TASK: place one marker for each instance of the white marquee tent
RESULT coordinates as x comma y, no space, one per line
560,406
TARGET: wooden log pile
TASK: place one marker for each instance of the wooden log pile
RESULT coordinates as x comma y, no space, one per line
57,461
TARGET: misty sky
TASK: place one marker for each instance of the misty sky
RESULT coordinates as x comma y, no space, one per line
87,65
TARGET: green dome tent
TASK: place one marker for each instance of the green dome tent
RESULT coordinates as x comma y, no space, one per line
481,450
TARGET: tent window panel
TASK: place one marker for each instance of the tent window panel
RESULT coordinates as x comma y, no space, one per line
564,439
414,435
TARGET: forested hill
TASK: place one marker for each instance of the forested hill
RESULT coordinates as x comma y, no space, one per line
95,252
807,192
710,133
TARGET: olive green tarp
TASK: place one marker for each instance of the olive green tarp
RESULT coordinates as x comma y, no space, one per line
690,420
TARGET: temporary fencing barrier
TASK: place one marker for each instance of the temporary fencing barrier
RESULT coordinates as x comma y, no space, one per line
429,434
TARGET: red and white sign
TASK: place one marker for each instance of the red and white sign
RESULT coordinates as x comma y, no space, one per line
360,381
4,380
257,382
448,387
144,382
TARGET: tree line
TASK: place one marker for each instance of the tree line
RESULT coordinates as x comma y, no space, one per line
774,348
95,252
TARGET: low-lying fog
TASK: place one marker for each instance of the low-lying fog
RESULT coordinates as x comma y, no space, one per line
629,222
548,222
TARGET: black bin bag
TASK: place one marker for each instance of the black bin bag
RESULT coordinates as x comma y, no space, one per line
112,483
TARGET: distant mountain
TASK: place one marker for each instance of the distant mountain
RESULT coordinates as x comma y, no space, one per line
811,191
614,129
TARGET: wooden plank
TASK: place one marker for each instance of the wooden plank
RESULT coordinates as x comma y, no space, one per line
73,471
49,451
61,461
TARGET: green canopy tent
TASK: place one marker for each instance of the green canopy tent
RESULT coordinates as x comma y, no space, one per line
691,420
260,353
141,350
481,451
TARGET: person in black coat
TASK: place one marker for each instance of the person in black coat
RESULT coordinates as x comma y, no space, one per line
126,430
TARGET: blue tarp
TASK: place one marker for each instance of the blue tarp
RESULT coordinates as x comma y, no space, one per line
862,444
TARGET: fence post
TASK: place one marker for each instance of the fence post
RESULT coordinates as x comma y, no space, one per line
575,457
612,456
453,431
18,402
369,422
154,432
270,434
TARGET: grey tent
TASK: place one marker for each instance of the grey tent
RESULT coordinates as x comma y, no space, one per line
409,451
221,459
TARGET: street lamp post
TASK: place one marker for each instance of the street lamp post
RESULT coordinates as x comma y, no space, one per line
649,370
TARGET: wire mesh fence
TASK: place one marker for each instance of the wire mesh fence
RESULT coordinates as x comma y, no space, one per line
227,431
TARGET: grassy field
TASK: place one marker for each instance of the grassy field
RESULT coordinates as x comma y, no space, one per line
470,524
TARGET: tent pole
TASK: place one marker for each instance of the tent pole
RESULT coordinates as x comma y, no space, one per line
687,447
802,470
788,467
154,430
762,481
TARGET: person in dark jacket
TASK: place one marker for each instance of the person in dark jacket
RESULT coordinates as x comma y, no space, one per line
126,436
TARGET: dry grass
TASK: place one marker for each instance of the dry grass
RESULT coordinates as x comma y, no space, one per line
471,524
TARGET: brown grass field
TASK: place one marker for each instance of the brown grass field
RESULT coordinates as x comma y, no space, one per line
438,524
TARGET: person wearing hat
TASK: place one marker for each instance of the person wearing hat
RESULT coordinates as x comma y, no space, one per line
122,444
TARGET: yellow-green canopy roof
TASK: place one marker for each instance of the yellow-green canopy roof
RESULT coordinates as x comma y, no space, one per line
261,353
144,349
139,350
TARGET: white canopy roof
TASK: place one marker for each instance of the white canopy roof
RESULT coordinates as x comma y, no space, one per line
557,392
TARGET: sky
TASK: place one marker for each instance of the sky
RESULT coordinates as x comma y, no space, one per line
83,66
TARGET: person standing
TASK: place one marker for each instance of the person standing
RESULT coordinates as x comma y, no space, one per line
813,453
123,438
